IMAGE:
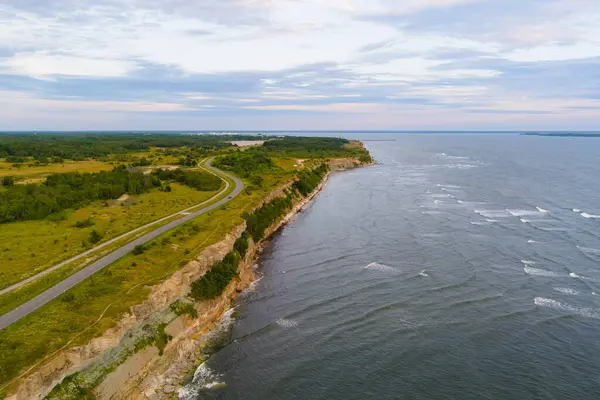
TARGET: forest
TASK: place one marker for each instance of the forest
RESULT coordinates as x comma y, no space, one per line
75,190
246,163
49,147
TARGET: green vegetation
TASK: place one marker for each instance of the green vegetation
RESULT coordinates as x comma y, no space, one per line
22,243
312,147
182,308
98,303
50,148
75,190
212,284
241,244
246,163
195,179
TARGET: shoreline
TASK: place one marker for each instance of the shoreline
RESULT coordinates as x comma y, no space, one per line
120,373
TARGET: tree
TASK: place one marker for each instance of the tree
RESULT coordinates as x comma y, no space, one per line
8,181
95,236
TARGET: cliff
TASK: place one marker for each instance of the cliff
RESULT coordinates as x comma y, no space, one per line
117,367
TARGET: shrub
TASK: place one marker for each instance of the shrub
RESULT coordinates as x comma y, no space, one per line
212,284
181,308
139,249
84,223
95,236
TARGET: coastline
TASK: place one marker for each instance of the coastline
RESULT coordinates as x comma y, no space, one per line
147,374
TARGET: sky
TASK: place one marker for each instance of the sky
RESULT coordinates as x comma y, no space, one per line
300,64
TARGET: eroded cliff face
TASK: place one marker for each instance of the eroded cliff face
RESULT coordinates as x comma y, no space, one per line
146,374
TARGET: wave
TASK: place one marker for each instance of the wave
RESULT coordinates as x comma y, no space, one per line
481,223
379,267
424,273
541,210
569,291
525,213
204,378
286,323
577,210
539,272
493,213
589,250
434,212
589,216
531,241
528,262
557,305
528,221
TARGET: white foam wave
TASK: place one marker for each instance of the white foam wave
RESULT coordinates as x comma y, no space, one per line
204,378
492,220
541,210
493,213
434,212
440,196
589,250
557,305
531,241
574,275
379,267
589,216
286,323
539,272
460,202
568,291
480,223
577,210
424,273
528,262
525,213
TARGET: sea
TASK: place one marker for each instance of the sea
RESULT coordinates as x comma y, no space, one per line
459,266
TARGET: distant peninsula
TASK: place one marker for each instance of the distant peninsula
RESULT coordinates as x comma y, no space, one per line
562,134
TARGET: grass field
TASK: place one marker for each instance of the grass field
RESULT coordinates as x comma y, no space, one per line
35,173
97,304
28,247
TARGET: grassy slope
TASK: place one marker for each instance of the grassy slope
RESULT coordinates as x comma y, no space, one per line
36,172
69,320
28,247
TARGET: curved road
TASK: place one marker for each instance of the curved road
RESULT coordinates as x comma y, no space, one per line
50,294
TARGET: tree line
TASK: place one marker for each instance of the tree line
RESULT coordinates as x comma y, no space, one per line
74,190
212,284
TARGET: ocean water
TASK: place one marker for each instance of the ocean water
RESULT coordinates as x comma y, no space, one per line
458,267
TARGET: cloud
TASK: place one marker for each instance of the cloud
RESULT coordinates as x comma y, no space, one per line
361,63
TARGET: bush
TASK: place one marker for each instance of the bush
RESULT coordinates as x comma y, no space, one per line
241,244
95,236
139,249
212,284
84,223
181,308
8,181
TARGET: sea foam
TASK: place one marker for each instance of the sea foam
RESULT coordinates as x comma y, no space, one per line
557,305
589,216
539,272
379,267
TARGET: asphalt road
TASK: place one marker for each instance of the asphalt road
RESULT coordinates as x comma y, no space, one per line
55,291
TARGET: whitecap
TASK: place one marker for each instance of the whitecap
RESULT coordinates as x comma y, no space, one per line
492,220
541,210
574,275
557,305
439,196
286,323
531,241
528,262
539,272
204,378
493,213
424,273
577,210
589,250
434,212
590,216
568,291
480,223
524,213
460,202
379,267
